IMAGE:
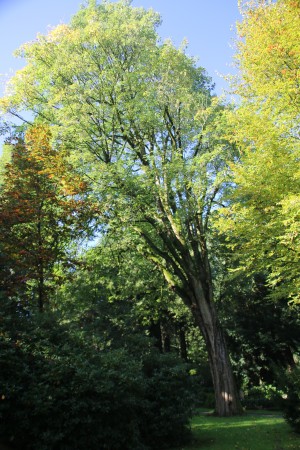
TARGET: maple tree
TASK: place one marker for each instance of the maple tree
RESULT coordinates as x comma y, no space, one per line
43,207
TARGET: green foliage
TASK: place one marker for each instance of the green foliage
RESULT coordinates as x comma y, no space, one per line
5,158
43,209
59,390
117,293
264,396
263,338
262,220
170,394
291,405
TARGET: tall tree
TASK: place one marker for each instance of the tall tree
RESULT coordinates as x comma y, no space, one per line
42,208
263,219
140,116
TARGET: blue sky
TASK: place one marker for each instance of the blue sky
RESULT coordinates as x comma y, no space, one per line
207,25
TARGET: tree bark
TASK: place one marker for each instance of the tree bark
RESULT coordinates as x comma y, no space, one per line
227,402
182,342
166,340
155,332
40,265
196,290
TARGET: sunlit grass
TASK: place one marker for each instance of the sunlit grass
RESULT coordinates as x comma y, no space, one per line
253,431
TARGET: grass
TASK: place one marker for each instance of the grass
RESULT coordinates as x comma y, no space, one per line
256,430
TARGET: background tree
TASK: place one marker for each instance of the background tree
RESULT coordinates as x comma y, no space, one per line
4,159
263,335
43,206
114,277
143,113
263,219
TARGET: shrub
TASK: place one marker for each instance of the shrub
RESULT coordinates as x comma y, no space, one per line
291,405
63,398
58,392
203,386
169,401
264,396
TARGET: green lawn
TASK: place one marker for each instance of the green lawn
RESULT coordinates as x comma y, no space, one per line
254,431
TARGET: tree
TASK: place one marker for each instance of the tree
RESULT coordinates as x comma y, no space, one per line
115,291
4,159
42,208
262,222
142,121
263,334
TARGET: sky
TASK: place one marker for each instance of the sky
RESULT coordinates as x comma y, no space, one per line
208,25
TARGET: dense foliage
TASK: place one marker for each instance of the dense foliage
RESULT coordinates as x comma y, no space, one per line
67,389
291,405
263,338
44,206
262,221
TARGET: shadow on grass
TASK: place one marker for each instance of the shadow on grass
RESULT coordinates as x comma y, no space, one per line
248,432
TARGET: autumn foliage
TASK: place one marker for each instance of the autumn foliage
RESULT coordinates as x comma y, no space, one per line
43,205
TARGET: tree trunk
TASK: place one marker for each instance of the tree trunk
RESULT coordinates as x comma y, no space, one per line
40,264
166,340
227,402
182,342
155,332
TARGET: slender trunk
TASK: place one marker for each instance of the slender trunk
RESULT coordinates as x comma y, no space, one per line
166,341
41,288
182,342
227,402
40,265
155,332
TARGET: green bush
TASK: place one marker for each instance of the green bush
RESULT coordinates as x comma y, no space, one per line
203,386
169,401
59,392
264,396
67,400
291,405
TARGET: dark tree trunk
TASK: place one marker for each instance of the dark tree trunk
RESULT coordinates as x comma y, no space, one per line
40,266
41,289
166,340
155,332
227,402
182,342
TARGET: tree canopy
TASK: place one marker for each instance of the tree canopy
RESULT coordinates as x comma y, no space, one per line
140,117
263,218
43,207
